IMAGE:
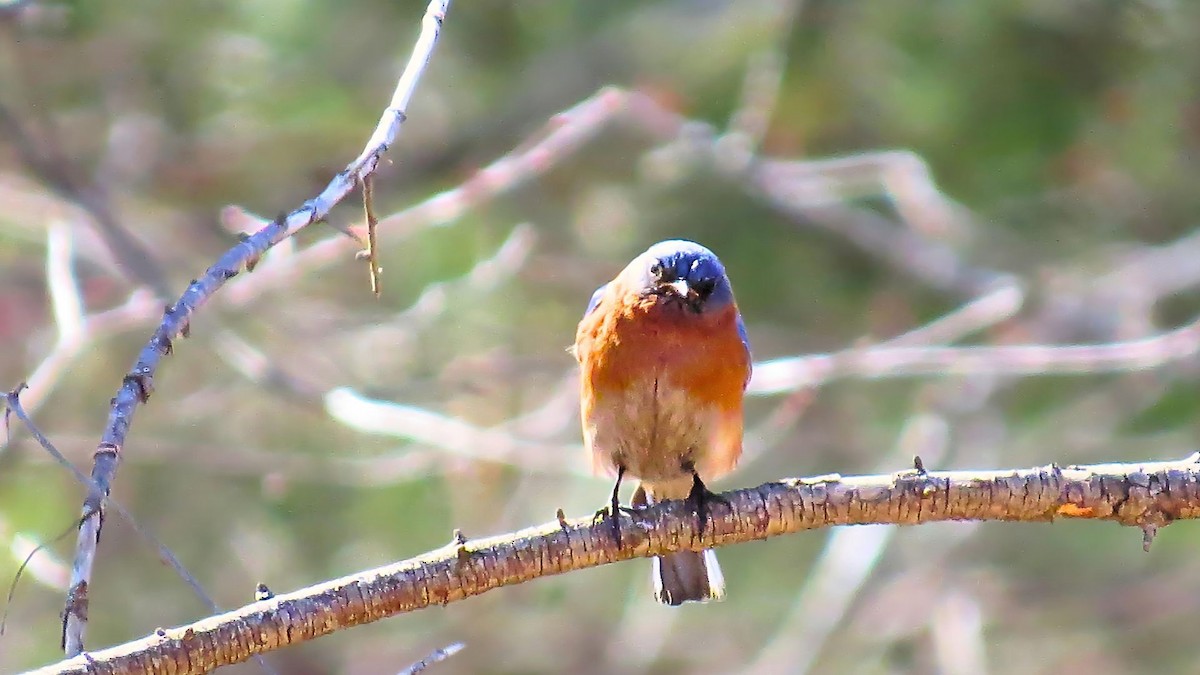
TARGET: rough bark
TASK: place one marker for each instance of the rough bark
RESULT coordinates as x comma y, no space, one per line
1147,495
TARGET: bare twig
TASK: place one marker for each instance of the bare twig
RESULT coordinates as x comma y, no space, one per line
372,251
982,312
760,92
256,366
138,383
484,276
40,563
973,316
43,565
813,193
48,374
436,656
13,404
1147,496
788,374
450,434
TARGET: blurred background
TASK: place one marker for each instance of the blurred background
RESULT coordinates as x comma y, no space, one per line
939,173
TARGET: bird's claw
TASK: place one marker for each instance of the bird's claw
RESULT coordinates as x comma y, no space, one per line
613,510
701,500
612,513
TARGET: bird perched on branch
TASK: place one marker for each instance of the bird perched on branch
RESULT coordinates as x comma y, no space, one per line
664,362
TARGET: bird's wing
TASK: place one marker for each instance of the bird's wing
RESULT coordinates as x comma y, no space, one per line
741,329
596,300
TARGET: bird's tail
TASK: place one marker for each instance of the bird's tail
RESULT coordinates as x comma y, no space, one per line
684,576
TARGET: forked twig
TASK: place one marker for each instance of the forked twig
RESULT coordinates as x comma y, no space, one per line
13,405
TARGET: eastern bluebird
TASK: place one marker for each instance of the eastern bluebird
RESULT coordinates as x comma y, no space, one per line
664,362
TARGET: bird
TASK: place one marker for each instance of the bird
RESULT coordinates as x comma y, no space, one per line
664,361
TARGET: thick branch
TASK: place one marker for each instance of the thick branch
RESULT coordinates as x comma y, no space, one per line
1144,495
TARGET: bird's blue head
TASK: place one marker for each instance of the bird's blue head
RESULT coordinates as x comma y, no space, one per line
683,272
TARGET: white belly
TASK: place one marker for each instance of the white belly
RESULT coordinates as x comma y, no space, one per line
652,429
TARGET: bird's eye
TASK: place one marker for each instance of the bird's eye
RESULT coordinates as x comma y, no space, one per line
705,287
656,270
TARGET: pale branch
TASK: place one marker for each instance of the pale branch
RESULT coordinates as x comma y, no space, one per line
436,656
453,436
1147,495
761,86
138,383
797,372
803,190
811,194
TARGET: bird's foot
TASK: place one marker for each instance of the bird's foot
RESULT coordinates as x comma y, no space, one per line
701,500
614,508
613,513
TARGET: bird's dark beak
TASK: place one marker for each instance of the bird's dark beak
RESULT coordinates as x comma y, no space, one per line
687,294
680,287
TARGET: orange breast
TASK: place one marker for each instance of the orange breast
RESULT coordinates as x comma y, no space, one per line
661,387
624,341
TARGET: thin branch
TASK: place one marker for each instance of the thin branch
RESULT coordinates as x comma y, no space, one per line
12,403
41,564
372,251
760,92
50,167
450,434
257,367
814,193
49,373
983,312
1148,495
138,383
565,134
484,276
436,656
791,373
64,287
